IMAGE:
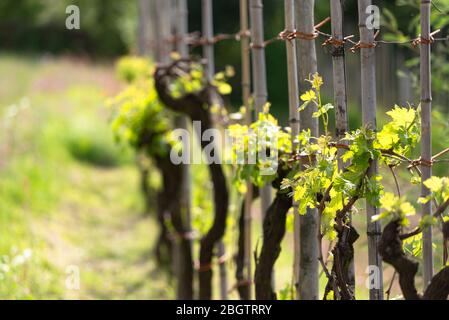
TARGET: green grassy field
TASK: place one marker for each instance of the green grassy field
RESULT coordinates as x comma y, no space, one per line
69,197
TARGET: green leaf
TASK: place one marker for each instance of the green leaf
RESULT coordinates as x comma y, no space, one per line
308,96
424,200
327,107
395,207
224,88
435,184
427,221
415,180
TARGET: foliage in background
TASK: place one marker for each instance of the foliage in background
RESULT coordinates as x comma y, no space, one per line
44,159
250,142
401,21
107,27
139,119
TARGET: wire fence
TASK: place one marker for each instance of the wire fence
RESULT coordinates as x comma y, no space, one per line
195,39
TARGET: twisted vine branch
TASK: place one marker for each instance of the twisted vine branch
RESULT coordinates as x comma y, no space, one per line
273,233
196,105
392,252
170,205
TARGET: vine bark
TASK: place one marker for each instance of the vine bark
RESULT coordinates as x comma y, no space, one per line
196,106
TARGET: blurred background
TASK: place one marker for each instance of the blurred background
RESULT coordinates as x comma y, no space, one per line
70,203
109,29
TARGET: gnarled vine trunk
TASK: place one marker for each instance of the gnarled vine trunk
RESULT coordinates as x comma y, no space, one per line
170,199
196,107
273,233
343,253
438,288
163,248
148,195
243,286
392,252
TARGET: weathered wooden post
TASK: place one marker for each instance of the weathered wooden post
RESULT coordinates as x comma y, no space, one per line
368,84
259,76
246,94
164,24
259,72
184,247
208,34
293,98
340,93
307,65
144,41
152,28
208,53
426,134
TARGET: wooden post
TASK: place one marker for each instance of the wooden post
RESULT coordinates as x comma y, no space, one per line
259,78
152,29
426,135
246,94
165,24
340,93
293,98
155,25
368,83
208,33
307,65
339,71
260,90
185,267
182,27
258,58
164,30
208,53
146,46
144,32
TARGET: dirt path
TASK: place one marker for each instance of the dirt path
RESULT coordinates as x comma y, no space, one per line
100,234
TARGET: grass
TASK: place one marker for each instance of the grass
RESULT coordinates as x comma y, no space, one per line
86,143
69,198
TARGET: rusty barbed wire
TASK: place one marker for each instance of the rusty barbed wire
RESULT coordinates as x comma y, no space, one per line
365,45
195,39
289,35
